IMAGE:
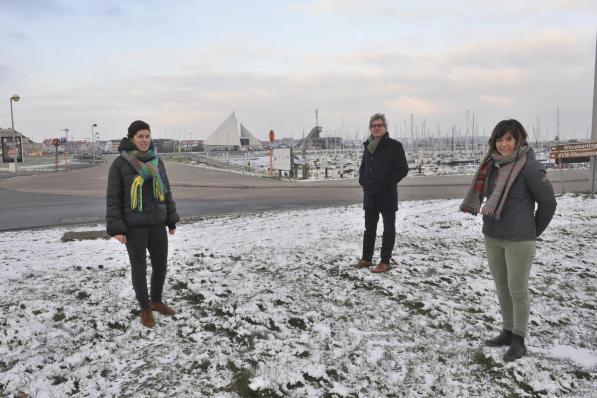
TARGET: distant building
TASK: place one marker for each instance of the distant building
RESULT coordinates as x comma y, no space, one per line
314,141
114,144
164,145
285,142
104,146
228,137
25,142
192,145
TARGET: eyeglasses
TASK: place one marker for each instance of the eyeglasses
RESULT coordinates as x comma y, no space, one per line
376,125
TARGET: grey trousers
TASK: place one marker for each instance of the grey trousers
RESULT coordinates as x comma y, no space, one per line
510,264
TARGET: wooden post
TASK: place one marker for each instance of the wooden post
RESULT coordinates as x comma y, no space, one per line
272,136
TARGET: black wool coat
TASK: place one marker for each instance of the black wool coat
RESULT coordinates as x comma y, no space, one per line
119,215
379,174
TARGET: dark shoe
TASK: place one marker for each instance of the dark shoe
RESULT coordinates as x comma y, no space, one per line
161,308
504,339
517,349
381,267
147,318
363,264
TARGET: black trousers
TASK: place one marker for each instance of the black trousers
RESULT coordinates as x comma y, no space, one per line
138,241
388,238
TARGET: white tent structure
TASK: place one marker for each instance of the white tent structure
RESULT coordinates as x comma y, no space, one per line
227,137
247,139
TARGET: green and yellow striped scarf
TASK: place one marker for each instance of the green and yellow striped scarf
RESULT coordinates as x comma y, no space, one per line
146,166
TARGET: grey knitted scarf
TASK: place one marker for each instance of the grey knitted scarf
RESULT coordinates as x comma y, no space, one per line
372,143
508,169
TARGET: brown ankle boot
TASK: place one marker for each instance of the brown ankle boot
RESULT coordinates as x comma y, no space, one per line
147,318
363,264
161,308
381,267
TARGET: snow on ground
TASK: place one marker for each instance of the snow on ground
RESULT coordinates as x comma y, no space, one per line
269,306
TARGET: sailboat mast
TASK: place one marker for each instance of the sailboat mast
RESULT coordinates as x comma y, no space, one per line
558,122
412,131
473,136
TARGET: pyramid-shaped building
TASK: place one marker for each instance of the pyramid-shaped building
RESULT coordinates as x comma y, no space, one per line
228,137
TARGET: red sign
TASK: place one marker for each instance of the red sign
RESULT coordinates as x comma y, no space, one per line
272,136
56,141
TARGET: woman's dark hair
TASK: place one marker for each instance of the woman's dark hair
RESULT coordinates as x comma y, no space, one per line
136,126
512,126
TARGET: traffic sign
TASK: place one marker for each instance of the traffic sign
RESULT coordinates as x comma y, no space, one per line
574,153
581,146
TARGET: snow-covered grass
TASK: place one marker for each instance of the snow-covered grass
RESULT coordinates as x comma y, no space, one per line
269,306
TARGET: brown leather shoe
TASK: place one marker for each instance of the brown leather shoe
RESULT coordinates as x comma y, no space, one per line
381,267
363,264
161,308
147,318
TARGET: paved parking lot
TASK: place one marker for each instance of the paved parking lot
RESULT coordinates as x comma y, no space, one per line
78,196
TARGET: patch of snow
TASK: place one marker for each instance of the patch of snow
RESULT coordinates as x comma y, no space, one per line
582,356
269,303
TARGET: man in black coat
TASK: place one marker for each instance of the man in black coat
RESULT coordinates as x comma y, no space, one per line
383,166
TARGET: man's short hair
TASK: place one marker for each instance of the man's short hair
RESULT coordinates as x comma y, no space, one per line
135,126
379,116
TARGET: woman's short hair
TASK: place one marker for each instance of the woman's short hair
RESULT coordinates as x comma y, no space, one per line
513,126
378,116
136,126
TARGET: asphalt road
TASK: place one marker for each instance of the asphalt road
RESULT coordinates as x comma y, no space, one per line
78,196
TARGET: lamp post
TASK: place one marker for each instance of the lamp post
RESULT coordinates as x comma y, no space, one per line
65,148
15,158
97,138
93,139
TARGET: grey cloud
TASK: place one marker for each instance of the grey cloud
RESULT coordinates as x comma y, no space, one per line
113,10
426,9
38,8
493,79
15,36
34,8
200,101
540,49
372,9
4,71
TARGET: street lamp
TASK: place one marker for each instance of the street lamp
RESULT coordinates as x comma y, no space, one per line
15,158
93,139
98,150
65,148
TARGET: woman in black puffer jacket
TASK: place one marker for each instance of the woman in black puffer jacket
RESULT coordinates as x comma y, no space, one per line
139,207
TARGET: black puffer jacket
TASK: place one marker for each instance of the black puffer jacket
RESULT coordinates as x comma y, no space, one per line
119,215
519,220
380,172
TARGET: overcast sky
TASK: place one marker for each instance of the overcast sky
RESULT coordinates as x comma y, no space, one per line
184,66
